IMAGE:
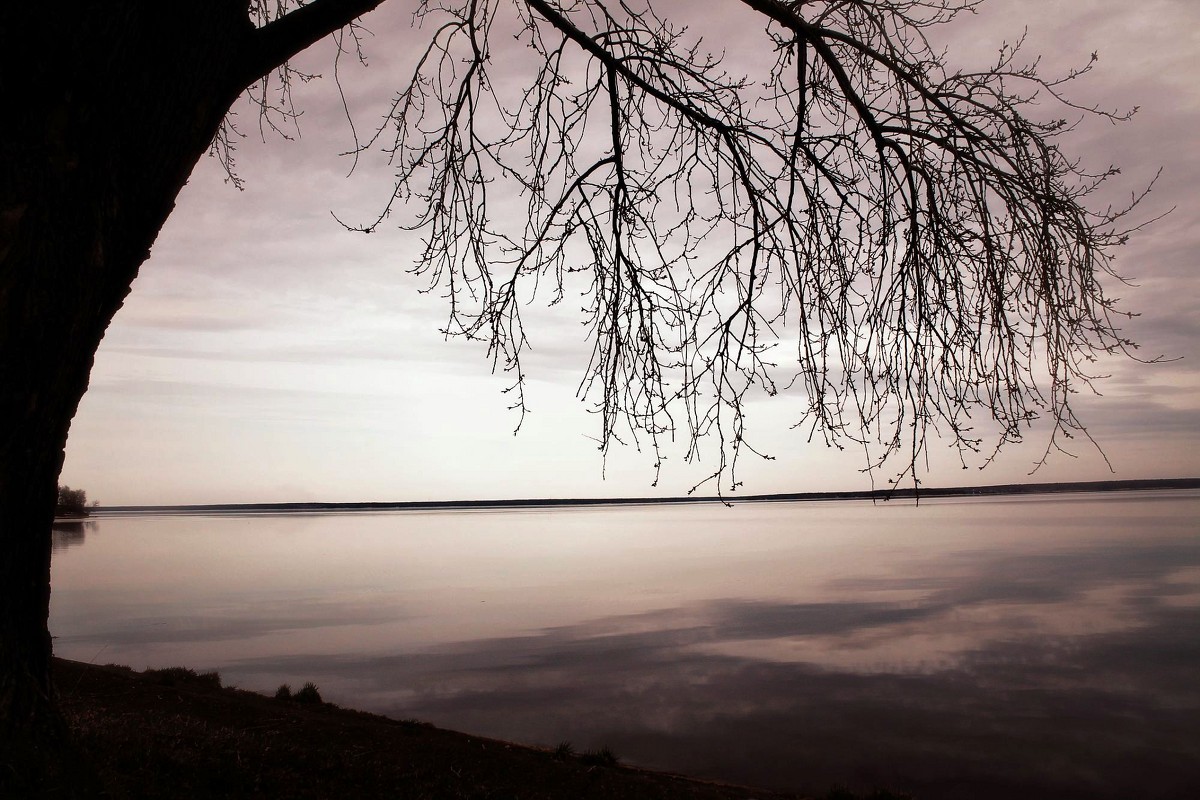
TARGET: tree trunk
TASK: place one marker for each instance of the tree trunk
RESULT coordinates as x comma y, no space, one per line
107,108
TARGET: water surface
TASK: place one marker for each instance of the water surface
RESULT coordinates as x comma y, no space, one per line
1002,647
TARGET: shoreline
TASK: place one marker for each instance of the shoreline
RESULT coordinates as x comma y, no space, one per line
878,495
173,733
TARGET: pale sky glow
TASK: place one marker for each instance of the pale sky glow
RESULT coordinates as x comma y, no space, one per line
266,354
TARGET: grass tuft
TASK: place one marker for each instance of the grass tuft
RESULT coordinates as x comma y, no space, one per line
564,752
284,692
414,723
599,758
308,694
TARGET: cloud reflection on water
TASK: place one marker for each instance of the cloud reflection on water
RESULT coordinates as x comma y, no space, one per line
1109,709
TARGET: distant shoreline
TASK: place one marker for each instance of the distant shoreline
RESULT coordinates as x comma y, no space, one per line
883,495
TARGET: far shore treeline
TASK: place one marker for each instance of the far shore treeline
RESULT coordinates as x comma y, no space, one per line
881,495
71,503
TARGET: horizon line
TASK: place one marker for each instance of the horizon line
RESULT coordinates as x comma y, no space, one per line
908,492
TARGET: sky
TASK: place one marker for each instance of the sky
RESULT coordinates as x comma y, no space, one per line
267,354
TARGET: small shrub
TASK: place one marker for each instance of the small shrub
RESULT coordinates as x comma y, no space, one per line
169,676
599,758
284,692
210,679
564,752
308,694
172,676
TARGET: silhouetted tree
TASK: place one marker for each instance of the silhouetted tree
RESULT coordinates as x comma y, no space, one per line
71,501
916,239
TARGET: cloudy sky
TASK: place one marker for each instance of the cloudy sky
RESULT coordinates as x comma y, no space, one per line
267,354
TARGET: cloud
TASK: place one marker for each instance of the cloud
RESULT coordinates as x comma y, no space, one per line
267,276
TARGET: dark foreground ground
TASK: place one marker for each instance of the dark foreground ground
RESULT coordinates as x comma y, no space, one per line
174,734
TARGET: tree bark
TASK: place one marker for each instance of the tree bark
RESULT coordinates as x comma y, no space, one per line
105,118
106,108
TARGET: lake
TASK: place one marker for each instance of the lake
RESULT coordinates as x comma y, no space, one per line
1031,647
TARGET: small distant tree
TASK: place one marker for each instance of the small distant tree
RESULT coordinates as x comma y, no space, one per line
71,502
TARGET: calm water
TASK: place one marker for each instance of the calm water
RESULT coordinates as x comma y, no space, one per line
1015,648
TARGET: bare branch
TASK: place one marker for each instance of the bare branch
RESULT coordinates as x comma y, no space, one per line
913,234
287,34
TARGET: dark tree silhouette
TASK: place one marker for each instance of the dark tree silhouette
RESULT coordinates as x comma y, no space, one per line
71,502
908,234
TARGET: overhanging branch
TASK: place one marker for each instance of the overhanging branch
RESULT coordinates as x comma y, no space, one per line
275,43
